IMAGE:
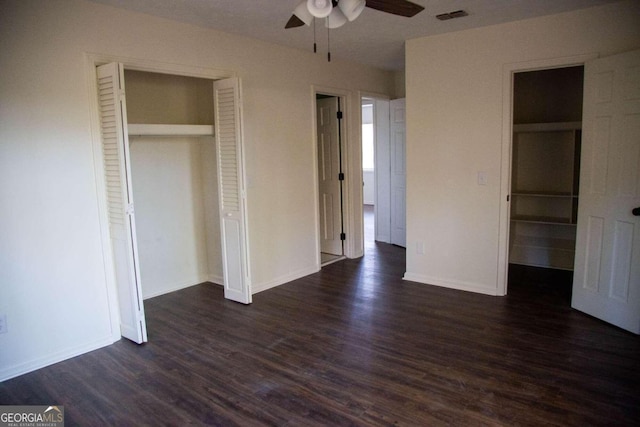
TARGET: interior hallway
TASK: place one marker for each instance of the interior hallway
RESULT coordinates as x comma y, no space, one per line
369,227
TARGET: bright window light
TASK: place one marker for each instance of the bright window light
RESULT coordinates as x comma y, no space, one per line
367,147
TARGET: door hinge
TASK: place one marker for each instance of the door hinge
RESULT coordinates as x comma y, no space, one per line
343,236
339,115
341,176
507,197
129,209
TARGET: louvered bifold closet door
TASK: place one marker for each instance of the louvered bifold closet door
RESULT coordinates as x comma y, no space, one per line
122,231
226,97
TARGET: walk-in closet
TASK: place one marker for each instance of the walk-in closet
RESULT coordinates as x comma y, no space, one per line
547,128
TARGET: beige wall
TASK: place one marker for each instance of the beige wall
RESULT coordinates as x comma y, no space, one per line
176,205
454,86
399,84
53,287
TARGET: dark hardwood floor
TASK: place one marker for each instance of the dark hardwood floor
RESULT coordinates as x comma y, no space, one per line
353,345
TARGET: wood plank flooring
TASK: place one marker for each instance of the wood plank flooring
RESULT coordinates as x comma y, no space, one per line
354,345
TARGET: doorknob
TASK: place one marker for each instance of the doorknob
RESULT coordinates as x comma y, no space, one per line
636,211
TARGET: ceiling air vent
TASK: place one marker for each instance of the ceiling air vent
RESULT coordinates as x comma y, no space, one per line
451,15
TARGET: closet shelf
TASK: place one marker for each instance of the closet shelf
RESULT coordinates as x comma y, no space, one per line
169,130
547,127
542,219
557,244
561,194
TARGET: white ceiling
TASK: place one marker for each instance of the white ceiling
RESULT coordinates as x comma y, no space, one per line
375,38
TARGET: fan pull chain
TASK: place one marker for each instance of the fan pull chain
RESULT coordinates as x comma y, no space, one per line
315,46
328,42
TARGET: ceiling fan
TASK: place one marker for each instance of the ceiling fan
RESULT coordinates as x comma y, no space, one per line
338,12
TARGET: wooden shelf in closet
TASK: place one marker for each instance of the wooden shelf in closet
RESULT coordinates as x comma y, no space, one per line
545,171
546,127
135,129
561,194
542,219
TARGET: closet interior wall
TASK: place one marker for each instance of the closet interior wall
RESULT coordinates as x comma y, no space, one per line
174,180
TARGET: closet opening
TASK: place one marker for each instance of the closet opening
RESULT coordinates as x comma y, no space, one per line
173,173
545,172
171,201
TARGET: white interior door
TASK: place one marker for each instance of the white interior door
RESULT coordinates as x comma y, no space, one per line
382,208
329,176
229,150
398,173
607,267
122,228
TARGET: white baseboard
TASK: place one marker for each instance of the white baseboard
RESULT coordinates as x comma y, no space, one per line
217,280
283,279
178,286
59,356
459,285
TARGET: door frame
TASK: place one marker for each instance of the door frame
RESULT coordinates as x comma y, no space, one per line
508,73
91,61
352,184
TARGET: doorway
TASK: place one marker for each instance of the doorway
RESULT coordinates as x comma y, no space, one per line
329,132
376,177
545,171
368,173
605,272
383,167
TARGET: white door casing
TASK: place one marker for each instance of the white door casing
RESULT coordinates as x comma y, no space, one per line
398,173
229,152
120,207
330,202
607,266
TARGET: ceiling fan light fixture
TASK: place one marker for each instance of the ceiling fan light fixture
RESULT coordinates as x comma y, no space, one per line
335,19
302,12
352,8
319,8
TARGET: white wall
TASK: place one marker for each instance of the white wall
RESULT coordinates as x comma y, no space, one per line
174,243
400,90
53,287
454,88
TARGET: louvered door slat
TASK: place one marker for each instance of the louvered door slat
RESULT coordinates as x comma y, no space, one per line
115,155
230,177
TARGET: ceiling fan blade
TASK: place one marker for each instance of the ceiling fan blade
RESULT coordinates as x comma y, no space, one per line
294,22
396,7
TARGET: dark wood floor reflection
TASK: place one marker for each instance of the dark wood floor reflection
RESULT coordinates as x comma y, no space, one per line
353,345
